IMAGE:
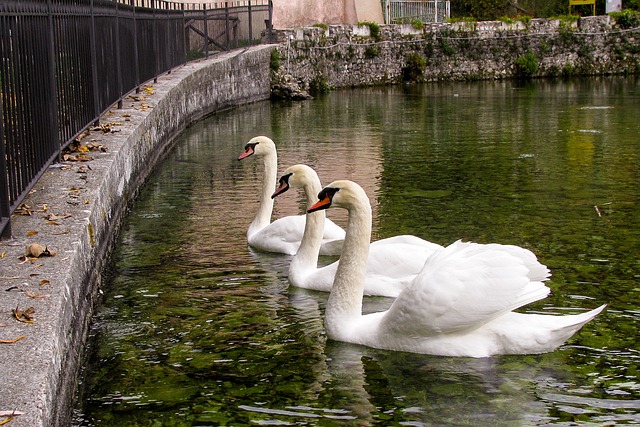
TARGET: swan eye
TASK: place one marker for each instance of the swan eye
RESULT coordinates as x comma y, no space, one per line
327,192
251,146
284,179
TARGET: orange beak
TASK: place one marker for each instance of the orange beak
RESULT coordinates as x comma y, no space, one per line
281,189
249,151
320,204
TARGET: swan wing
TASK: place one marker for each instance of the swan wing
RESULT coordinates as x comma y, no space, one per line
282,235
332,231
395,258
462,287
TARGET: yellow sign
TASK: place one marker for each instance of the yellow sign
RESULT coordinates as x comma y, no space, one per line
581,3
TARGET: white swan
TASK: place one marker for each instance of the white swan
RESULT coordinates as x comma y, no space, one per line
284,234
459,305
392,263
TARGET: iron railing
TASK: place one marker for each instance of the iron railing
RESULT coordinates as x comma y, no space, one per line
405,11
64,63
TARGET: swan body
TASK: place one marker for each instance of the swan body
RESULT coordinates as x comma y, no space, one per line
460,304
284,234
391,265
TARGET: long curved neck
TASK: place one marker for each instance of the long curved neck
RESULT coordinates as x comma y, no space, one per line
345,300
269,178
306,258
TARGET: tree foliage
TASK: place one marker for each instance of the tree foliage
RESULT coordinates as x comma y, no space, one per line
494,9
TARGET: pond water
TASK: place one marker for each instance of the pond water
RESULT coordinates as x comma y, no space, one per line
195,329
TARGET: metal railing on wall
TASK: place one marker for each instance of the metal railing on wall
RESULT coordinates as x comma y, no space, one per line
64,63
405,11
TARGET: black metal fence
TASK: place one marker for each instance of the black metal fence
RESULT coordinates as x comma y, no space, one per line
63,63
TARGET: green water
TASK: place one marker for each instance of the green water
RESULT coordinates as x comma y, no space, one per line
195,329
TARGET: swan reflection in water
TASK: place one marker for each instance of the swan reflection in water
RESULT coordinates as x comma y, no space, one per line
370,386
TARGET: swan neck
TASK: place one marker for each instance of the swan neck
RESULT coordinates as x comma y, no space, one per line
269,179
307,256
345,300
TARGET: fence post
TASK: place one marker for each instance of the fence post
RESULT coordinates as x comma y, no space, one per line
5,211
206,31
226,28
250,25
94,64
118,57
136,59
156,45
53,99
184,34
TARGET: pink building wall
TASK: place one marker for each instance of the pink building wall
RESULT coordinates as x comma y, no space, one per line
299,13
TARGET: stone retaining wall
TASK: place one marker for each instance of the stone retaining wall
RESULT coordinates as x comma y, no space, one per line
350,56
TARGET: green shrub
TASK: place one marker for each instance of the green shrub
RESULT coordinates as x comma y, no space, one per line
374,29
414,70
319,85
627,18
371,51
194,54
417,24
274,60
526,65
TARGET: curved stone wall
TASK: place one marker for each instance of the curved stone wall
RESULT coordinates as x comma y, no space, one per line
75,210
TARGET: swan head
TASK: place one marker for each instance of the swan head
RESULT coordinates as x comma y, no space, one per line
342,194
259,145
296,176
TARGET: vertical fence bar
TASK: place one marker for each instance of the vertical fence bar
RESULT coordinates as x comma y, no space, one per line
5,210
226,24
250,24
118,57
154,42
136,57
206,31
183,32
94,61
5,197
53,98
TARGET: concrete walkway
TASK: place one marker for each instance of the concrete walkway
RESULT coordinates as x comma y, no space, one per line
75,210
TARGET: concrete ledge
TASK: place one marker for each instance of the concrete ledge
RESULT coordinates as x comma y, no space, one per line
88,200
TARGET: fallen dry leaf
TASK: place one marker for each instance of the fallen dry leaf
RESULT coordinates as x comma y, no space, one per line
9,416
82,136
54,217
10,413
35,296
76,158
13,340
31,233
44,282
24,316
23,209
37,250
98,147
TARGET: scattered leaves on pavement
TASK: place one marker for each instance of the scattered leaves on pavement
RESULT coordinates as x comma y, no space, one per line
24,316
23,209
